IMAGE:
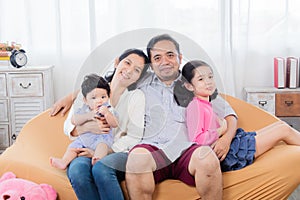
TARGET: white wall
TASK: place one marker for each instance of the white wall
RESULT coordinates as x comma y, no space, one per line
240,37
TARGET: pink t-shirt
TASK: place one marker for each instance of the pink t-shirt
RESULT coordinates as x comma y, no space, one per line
202,122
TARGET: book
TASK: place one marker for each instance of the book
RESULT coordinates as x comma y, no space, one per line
4,54
292,72
279,72
4,57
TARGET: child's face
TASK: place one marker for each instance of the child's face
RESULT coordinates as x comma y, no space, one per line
203,82
96,98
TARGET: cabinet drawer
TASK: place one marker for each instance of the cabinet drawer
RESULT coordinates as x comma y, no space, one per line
287,104
26,85
2,85
263,100
3,110
292,121
24,110
4,137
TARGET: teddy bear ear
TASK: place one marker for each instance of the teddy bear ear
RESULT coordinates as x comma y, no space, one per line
49,190
7,175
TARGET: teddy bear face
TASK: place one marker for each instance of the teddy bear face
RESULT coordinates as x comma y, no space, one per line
22,190
12,188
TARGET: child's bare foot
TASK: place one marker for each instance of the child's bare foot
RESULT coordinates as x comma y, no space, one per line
58,163
94,160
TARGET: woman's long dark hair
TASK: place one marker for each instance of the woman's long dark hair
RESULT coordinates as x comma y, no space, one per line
109,75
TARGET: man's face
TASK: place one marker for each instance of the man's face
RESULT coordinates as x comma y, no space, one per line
165,61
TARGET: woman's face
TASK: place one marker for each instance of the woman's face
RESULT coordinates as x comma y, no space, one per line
129,70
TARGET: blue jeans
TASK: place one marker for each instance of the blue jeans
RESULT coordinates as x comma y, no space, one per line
82,181
100,181
108,173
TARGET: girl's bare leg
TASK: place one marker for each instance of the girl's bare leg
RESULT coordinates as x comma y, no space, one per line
269,136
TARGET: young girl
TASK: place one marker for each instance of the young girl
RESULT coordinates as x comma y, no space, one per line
204,127
95,91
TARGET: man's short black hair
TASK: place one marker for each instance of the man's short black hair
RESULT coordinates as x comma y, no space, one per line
159,38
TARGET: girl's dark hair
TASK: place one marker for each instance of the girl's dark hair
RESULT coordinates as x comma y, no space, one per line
188,71
182,95
93,81
159,38
108,77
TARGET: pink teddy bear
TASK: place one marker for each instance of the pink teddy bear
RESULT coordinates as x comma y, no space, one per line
12,188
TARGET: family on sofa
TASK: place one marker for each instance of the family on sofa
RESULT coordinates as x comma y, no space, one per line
152,142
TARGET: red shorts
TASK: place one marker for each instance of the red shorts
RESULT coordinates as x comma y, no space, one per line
167,170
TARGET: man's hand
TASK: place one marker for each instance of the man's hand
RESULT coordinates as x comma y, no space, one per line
221,147
223,126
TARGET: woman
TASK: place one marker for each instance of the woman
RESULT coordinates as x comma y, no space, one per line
101,181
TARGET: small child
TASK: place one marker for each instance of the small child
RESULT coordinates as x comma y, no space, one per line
96,93
204,127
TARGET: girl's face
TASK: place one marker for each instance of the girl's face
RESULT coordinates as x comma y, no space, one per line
129,69
96,98
203,84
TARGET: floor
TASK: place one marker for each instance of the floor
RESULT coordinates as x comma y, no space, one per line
295,195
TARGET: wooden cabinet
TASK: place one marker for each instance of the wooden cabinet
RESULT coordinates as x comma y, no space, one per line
24,93
284,103
287,104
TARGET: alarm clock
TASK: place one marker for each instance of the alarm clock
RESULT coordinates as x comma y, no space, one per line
18,58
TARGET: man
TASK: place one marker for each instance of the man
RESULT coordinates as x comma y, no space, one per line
165,151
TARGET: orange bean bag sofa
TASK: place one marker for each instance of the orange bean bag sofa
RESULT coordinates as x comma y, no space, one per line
274,175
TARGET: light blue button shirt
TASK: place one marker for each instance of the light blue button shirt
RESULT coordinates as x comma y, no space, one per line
165,125
222,107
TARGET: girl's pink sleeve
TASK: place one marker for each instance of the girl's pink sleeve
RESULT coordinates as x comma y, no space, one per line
195,120
201,124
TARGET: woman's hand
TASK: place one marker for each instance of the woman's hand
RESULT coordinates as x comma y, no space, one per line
85,152
98,126
63,105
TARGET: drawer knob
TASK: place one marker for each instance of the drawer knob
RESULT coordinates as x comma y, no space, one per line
25,87
288,103
262,103
14,137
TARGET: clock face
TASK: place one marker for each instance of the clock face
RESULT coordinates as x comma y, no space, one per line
21,59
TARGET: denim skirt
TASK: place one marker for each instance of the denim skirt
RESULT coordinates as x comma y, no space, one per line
241,152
